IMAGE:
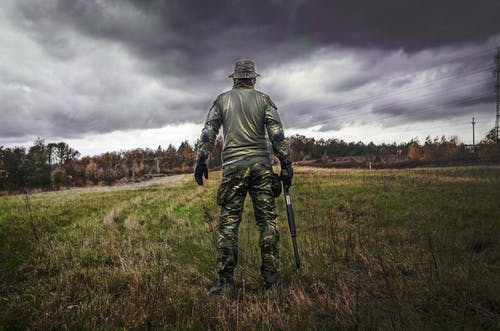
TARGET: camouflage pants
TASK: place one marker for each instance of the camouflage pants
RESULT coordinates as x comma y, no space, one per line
251,175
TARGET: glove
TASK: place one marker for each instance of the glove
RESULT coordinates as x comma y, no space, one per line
200,170
286,174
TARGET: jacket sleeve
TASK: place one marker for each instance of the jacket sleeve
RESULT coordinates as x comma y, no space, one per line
210,131
275,132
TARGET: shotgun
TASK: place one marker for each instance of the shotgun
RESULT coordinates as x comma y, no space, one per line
291,223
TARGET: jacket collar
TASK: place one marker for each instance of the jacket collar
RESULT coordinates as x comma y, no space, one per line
242,85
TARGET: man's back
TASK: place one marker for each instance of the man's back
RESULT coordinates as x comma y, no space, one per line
246,115
243,120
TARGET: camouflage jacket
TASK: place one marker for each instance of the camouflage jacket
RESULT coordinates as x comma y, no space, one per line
248,118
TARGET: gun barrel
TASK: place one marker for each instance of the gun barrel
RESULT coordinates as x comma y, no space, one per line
291,224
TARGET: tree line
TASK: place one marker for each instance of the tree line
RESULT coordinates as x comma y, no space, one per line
432,149
56,165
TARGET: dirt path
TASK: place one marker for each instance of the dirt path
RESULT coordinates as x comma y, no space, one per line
155,182
160,181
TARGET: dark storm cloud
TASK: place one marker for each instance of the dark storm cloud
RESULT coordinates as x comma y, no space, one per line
197,36
110,65
411,25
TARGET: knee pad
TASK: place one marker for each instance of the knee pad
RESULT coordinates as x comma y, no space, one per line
269,238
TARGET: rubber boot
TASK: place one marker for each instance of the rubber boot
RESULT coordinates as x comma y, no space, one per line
221,285
275,284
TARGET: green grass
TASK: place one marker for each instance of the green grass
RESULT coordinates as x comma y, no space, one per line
399,249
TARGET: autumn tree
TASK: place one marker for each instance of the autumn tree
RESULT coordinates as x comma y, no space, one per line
13,167
414,152
489,148
490,138
170,157
59,178
60,153
215,158
186,154
384,153
448,149
92,172
37,168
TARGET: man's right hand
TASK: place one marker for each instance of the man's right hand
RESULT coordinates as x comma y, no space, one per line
286,174
200,170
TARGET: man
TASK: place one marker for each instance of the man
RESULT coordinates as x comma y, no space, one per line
249,118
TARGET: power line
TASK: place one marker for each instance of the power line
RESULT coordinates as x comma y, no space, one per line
369,101
422,110
453,60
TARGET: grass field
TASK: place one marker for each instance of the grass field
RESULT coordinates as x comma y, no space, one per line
399,249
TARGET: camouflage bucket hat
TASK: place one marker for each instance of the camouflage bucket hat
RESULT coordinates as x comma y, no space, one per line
244,69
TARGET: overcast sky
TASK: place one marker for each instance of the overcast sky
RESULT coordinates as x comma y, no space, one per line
108,75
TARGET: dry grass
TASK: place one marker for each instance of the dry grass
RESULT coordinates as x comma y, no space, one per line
392,249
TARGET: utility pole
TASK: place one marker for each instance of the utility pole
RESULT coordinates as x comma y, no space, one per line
473,135
497,71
